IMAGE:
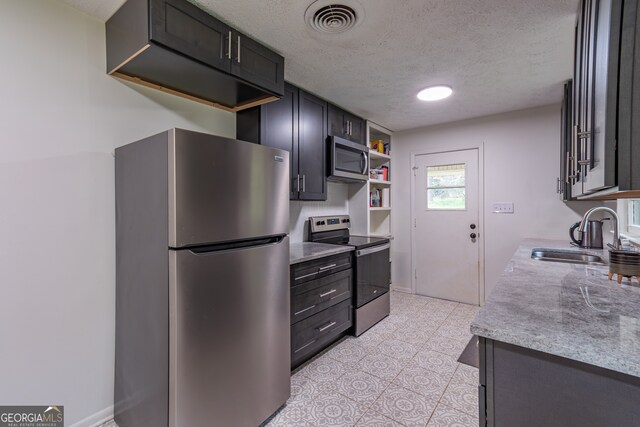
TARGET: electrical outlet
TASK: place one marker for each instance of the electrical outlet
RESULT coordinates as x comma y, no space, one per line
502,207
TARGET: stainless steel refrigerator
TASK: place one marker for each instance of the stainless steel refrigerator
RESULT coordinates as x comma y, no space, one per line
202,281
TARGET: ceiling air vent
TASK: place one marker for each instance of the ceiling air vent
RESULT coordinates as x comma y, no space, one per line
333,18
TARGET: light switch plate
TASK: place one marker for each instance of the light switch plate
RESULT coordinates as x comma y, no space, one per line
502,207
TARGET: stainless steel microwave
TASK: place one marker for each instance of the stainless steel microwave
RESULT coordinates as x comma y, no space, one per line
349,161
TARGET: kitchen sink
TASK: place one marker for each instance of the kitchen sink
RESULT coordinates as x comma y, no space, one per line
567,256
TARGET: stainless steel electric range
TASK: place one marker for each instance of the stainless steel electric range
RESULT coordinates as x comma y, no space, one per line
372,267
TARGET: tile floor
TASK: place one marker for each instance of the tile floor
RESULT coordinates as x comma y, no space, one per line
401,372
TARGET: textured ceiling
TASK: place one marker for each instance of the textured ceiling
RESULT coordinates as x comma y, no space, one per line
498,55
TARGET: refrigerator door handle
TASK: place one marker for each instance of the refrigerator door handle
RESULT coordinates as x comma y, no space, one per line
230,246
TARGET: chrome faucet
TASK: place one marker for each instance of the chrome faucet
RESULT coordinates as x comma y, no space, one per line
614,218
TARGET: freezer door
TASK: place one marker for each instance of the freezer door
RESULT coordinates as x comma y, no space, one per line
223,190
229,335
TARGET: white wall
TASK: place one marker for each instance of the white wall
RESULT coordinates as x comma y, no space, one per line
61,117
299,212
521,163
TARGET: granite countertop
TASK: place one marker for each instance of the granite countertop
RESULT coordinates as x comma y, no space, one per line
539,305
307,251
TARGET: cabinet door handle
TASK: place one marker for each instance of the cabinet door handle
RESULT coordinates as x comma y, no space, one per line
575,175
587,159
304,183
229,46
350,128
566,172
324,328
558,185
327,293
326,267
297,183
238,49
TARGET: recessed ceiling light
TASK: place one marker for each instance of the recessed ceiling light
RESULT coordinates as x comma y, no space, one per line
435,93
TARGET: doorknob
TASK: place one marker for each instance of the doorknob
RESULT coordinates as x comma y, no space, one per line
473,235
473,226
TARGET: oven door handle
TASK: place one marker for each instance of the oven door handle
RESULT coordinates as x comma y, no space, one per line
373,250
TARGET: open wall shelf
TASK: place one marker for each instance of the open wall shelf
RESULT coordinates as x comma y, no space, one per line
374,218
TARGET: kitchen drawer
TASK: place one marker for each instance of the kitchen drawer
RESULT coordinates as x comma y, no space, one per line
316,295
311,335
322,267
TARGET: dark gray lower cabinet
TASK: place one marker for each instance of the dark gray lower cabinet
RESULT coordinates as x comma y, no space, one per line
321,305
523,387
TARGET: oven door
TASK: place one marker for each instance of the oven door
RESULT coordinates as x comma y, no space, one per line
349,161
373,273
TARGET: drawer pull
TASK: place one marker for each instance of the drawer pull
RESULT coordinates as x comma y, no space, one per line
304,346
306,275
324,328
326,267
327,293
302,311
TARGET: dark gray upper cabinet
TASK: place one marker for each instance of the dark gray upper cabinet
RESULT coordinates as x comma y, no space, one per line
564,182
253,62
312,147
591,162
629,101
173,45
183,27
601,113
346,125
296,123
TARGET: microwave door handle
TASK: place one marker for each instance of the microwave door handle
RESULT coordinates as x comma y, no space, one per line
366,163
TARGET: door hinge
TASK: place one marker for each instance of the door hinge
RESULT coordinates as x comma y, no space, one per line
415,223
415,274
415,168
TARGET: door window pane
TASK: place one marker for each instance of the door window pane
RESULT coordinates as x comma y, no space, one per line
446,198
446,187
445,176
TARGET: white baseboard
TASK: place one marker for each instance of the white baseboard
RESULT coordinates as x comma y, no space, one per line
402,289
97,419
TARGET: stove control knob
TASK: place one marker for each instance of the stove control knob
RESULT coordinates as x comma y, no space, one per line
320,223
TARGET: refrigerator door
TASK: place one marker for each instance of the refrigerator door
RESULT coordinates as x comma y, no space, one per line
225,190
229,335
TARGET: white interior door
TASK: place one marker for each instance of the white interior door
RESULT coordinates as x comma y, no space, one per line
446,229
